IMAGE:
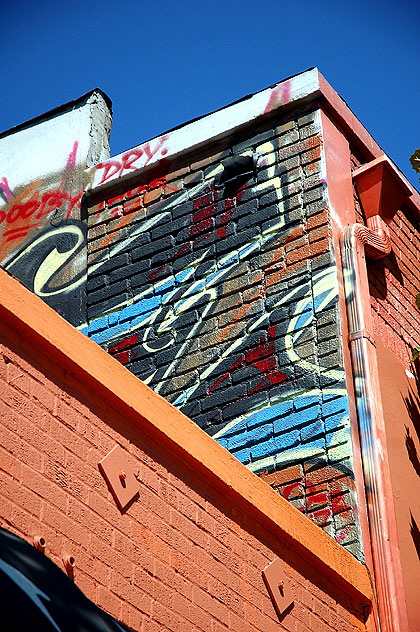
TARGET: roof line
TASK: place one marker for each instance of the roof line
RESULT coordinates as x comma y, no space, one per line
308,86
200,131
240,100
70,105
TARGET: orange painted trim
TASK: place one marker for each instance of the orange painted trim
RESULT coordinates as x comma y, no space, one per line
350,124
30,319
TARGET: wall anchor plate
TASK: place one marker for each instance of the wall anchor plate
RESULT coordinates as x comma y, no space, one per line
278,586
119,474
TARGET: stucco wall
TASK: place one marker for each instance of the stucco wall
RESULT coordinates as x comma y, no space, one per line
401,404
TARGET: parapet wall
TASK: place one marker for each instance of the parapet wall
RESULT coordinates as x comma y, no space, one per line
213,279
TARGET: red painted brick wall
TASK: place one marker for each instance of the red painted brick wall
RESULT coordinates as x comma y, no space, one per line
394,283
183,557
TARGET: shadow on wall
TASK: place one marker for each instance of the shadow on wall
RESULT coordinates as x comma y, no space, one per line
412,451
377,276
413,410
415,534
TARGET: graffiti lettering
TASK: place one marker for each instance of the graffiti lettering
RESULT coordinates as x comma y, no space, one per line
32,204
132,159
5,189
26,209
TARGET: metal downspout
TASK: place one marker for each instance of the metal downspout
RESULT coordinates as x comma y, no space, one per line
373,240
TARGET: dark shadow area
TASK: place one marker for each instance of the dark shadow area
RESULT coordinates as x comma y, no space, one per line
391,262
415,534
412,452
377,281
237,170
412,405
377,278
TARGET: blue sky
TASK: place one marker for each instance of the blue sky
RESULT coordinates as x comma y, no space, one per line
165,62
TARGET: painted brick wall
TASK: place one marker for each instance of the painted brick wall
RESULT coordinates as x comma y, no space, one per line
214,282
181,558
394,282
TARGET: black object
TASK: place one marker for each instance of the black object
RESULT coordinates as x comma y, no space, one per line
36,595
236,171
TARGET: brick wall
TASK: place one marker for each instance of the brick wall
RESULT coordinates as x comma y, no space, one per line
394,282
213,280
183,556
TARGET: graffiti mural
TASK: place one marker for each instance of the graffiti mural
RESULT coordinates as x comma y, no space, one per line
209,286
41,244
42,235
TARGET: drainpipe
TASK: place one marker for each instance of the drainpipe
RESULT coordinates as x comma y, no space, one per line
381,190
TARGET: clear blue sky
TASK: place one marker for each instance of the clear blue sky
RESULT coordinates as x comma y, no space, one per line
165,62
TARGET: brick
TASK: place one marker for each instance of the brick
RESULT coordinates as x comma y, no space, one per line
314,430
217,157
166,535
208,602
21,496
307,119
285,127
311,129
191,611
288,138
110,602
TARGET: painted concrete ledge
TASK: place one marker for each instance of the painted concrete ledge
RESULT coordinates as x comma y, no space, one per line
34,326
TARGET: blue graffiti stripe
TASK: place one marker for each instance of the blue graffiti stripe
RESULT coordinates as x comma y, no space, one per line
120,322
101,330
306,317
129,318
290,430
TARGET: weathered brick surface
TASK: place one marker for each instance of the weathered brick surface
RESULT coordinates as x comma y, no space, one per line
181,557
394,282
215,283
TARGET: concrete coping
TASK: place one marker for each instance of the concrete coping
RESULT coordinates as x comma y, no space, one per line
308,86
